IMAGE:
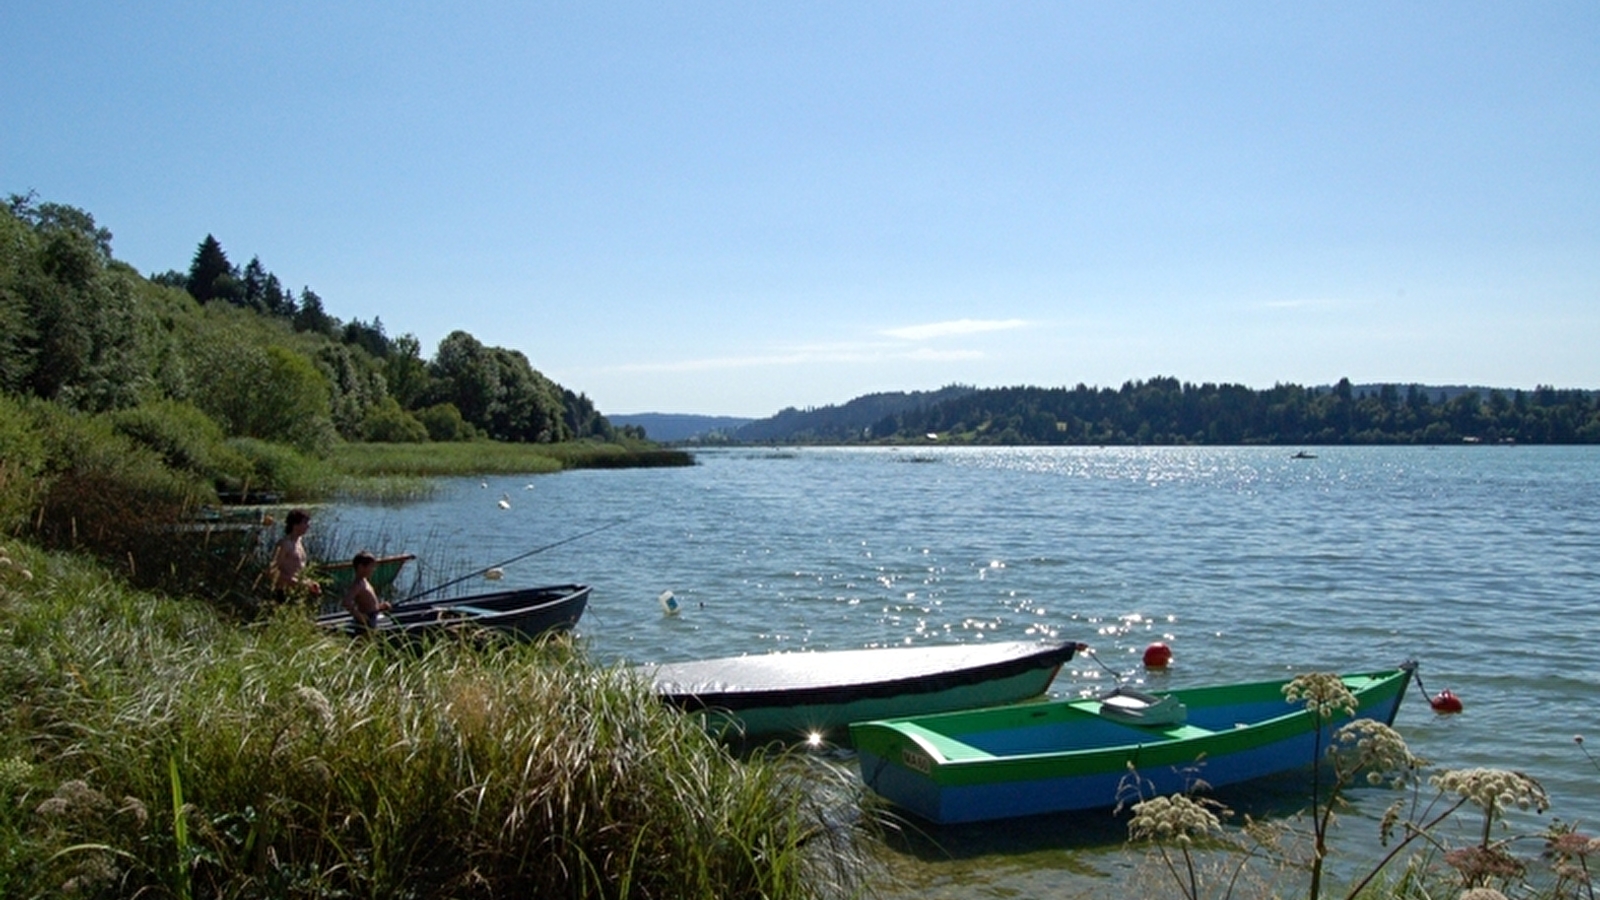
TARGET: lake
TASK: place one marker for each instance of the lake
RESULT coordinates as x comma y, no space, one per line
1481,562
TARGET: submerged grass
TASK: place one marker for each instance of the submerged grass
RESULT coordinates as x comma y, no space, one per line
152,748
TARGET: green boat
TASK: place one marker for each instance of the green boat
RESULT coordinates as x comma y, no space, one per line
1066,755
338,576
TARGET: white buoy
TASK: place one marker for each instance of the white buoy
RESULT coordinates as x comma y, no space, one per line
669,603
495,574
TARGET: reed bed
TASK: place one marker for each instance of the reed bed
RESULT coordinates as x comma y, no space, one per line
153,748
495,458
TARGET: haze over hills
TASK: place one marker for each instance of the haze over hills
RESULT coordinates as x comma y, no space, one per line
673,427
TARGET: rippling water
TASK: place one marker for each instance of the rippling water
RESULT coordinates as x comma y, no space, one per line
1481,562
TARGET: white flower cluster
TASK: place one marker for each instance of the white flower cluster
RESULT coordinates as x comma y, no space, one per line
1377,748
317,704
1481,893
1324,693
14,772
1174,818
1494,789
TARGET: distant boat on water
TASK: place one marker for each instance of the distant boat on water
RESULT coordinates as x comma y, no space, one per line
1304,455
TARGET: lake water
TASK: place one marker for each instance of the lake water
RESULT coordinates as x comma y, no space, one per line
1481,562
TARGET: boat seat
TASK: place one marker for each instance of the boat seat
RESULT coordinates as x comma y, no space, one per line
465,611
1131,707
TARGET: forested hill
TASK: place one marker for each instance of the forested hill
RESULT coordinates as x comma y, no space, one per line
1165,411
831,424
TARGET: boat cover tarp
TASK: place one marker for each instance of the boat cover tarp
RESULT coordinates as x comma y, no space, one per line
743,682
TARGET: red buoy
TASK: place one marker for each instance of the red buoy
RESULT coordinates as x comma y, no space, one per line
1445,703
1157,655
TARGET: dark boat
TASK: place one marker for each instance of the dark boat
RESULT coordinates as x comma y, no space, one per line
808,695
525,613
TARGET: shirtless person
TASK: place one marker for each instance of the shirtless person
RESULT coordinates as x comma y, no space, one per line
289,558
360,600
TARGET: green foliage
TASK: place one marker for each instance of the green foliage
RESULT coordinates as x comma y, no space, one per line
73,316
186,439
355,385
23,459
405,372
387,423
267,392
283,470
96,491
444,423
498,392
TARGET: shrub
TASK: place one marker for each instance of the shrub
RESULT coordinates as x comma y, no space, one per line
281,469
387,423
186,438
444,423
22,462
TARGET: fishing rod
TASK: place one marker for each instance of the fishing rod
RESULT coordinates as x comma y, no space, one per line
517,558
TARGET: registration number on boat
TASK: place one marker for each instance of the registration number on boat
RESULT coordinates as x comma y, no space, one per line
915,760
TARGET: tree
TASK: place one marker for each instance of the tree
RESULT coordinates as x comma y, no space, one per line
465,376
253,286
311,316
210,273
355,386
405,372
69,328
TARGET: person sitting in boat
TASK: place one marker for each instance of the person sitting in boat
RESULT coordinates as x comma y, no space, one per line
289,559
360,600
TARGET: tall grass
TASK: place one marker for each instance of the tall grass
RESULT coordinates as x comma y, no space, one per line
491,458
151,748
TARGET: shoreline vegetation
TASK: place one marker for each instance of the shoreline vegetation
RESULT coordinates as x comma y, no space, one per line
153,748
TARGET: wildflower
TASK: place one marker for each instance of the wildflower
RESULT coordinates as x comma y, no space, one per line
1479,863
1175,818
14,772
74,798
1494,790
135,807
1323,693
1391,820
317,703
1481,893
1569,852
1379,749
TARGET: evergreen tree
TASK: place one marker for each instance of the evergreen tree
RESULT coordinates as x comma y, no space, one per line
312,317
254,285
210,272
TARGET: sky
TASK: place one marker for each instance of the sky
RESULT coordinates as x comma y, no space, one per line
732,208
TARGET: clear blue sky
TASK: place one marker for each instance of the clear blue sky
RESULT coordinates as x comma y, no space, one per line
728,208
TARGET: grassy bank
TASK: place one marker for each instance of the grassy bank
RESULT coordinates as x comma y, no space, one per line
150,747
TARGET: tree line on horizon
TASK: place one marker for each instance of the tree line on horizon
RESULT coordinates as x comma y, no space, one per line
1164,410
82,329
